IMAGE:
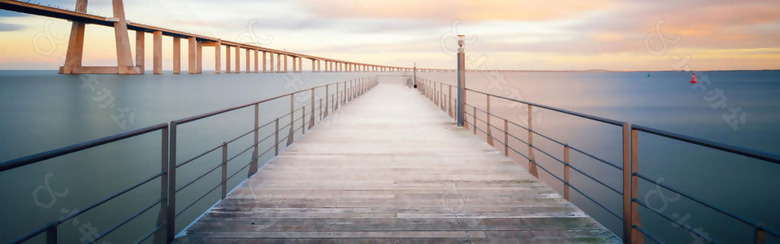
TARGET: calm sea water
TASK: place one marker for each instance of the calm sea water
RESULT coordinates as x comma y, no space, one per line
42,110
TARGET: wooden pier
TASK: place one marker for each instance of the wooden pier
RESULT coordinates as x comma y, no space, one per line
391,167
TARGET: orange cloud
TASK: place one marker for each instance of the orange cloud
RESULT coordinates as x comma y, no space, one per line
457,9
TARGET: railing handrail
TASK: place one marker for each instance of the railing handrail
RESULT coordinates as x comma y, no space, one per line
582,115
221,111
30,159
765,156
633,175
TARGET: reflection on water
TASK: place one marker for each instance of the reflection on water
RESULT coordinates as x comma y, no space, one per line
42,110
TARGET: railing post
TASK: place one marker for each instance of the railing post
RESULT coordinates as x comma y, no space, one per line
449,102
321,109
291,135
311,122
532,159
276,137
636,236
255,153
326,100
461,80
303,120
487,125
627,229
566,172
51,234
162,217
170,224
474,114
506,138
760,236
224,169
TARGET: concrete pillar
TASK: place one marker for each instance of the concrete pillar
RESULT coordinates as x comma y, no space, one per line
176,55
248,64
124,59
264,70
300,64
238,59
294,64
75,53
312,66
193,53
199,62
139,50
319,68
157,61
218,57
278,62
285,63
227,60
271,62
257,61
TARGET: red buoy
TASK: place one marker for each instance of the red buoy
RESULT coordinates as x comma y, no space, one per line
693,78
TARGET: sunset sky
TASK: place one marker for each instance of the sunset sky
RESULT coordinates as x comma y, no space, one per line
527,35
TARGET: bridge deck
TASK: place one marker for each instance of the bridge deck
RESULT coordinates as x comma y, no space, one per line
394,168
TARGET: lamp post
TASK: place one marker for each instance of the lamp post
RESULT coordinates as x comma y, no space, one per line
461,79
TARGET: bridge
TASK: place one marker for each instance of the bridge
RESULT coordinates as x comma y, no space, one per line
257,58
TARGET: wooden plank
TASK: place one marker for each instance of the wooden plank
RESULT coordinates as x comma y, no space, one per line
394,168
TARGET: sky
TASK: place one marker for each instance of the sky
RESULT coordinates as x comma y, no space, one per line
501,34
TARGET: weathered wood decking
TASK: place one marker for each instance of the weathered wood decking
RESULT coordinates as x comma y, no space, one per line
394,168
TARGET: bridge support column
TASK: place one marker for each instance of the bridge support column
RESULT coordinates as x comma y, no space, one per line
157,57
264,70
278,62
285,63
218,57
74,56
238,60
123,54
228,68
271,62
192,57
199,62
257,61
248,63
139,50
300,64
294,64
176,55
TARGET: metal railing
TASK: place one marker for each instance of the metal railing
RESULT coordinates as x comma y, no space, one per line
441,94
345,92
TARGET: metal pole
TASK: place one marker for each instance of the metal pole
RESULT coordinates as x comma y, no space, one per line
253,164
291,135
303,120
224,169
474,114
461,79
636,236
276,137
326,100
487,124
311,122
506,138
162,218
566,171
532,159
171,222
626,184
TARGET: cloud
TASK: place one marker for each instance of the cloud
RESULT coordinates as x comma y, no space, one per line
10,27
453,9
